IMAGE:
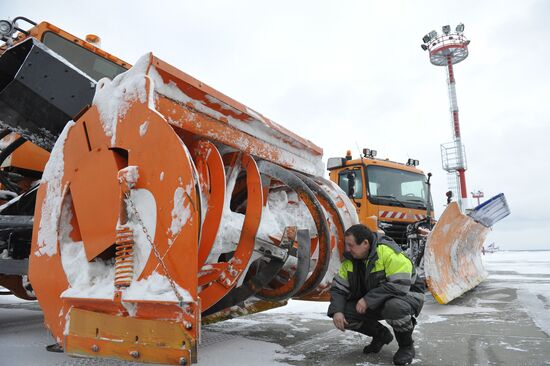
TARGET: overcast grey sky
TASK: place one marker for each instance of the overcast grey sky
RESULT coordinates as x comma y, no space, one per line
352,73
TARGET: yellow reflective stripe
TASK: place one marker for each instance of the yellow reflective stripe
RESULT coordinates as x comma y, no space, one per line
400,287
400,277
341,280
336,284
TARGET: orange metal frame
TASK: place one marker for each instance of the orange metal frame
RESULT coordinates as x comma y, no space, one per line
178,152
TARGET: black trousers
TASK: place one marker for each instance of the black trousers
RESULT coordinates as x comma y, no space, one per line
396,312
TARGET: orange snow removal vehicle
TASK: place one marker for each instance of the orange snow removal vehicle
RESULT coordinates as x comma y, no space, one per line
161,205
396,198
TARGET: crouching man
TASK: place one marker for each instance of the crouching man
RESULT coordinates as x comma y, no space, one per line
377,281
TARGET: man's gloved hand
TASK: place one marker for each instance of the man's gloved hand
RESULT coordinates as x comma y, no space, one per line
361,306
339,321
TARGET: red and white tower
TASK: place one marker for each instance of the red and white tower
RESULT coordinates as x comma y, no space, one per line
446,50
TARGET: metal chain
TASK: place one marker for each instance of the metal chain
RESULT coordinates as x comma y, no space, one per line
155,250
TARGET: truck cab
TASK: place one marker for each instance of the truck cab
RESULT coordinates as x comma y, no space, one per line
396,194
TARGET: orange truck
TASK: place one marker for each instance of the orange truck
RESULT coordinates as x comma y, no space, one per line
140,203
394,198
388,195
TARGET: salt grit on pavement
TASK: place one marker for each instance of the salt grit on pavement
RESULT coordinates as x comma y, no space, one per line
504,321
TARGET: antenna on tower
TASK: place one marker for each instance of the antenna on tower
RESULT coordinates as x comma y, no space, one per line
446,50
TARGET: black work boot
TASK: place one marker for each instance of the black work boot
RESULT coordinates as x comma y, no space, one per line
405,353
382,337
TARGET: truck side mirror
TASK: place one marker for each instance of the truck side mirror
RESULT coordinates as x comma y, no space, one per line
351,184
449,195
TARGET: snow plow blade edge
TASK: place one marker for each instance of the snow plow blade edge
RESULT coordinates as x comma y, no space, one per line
452,260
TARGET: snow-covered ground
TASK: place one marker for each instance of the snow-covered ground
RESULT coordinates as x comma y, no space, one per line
529,273
504,321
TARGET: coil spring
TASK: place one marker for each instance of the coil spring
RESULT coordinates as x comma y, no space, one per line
124,257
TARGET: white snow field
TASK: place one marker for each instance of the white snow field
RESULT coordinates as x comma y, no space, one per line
504,321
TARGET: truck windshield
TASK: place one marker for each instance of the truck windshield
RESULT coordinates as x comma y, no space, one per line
91,64
394,187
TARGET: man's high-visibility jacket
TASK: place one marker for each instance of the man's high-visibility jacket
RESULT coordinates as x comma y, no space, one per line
386,273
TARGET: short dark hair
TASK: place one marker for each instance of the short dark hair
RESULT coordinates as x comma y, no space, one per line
360,232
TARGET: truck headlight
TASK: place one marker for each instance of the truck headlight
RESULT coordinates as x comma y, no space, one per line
6,28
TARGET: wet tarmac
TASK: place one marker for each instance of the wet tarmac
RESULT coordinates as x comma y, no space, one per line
504,321
488,326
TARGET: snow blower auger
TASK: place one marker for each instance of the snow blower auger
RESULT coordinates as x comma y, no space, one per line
166,203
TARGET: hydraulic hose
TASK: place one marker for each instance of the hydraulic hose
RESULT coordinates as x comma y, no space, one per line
4,155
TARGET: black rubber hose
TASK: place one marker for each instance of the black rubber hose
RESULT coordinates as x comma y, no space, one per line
11,148
25,19
9,185
4,133
4,155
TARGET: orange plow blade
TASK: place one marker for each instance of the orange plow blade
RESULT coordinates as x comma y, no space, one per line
166,203
452,259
